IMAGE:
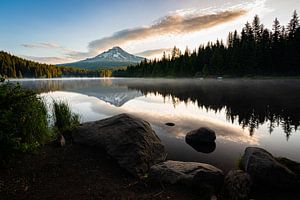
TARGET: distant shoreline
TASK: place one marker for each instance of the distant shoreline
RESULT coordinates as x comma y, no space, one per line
201,78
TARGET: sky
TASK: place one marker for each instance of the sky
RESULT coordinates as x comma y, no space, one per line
61,31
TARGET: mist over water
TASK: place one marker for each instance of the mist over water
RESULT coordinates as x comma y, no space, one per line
243,112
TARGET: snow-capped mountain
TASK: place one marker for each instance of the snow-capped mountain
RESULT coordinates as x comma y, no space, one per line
115,54
114,57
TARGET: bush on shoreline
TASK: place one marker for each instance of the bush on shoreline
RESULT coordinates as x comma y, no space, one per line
23,120
24,124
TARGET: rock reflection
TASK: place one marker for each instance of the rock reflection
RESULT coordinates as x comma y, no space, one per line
202,147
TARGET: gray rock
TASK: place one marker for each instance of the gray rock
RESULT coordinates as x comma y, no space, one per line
266,171
237,185
129,140
201,135
190,173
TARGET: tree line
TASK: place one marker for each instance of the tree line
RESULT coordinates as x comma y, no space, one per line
256,51
15,67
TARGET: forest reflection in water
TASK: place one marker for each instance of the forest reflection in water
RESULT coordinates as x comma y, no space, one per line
250,102
241,111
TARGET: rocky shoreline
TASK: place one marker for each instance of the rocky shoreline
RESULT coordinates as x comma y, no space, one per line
135,146
135,149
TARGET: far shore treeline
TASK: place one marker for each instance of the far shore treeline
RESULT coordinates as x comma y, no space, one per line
15,67
256,51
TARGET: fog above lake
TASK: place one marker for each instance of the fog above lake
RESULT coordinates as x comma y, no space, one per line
250,102
243,112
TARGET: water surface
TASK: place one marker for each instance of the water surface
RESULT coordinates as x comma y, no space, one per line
263,113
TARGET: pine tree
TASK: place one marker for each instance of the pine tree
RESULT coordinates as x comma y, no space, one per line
257,29
293,25
276,31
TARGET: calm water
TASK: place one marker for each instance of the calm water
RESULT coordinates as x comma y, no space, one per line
264,113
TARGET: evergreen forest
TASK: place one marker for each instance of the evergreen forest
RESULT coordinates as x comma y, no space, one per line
256,51
15,67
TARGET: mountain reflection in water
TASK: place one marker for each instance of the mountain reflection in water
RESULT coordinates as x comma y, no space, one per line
241,112
250,102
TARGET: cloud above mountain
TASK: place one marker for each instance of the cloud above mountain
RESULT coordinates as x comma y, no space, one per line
177,23
181,22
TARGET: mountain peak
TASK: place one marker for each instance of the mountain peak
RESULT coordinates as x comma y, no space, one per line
117,47
113,57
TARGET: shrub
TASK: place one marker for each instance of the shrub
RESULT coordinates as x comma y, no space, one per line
64,119
23,120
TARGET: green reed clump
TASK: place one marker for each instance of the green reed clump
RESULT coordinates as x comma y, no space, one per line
23,120
64,119
239,162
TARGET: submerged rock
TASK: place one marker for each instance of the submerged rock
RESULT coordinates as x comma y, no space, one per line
190,173
237,185
201,135
129,140
266,171
169,124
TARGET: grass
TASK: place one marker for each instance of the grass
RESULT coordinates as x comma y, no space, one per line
238,162
64,119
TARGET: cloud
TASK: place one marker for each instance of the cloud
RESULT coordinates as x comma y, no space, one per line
176,23
54,60
42,46
154,52
48,60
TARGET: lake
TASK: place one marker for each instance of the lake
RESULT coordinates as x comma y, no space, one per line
243,112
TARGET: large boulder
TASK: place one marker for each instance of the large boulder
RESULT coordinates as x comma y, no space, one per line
266,171
129,140
237,185
201,135
189,173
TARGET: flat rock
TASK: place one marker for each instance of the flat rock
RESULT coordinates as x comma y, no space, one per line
190,173
266,171
129,140
201,135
